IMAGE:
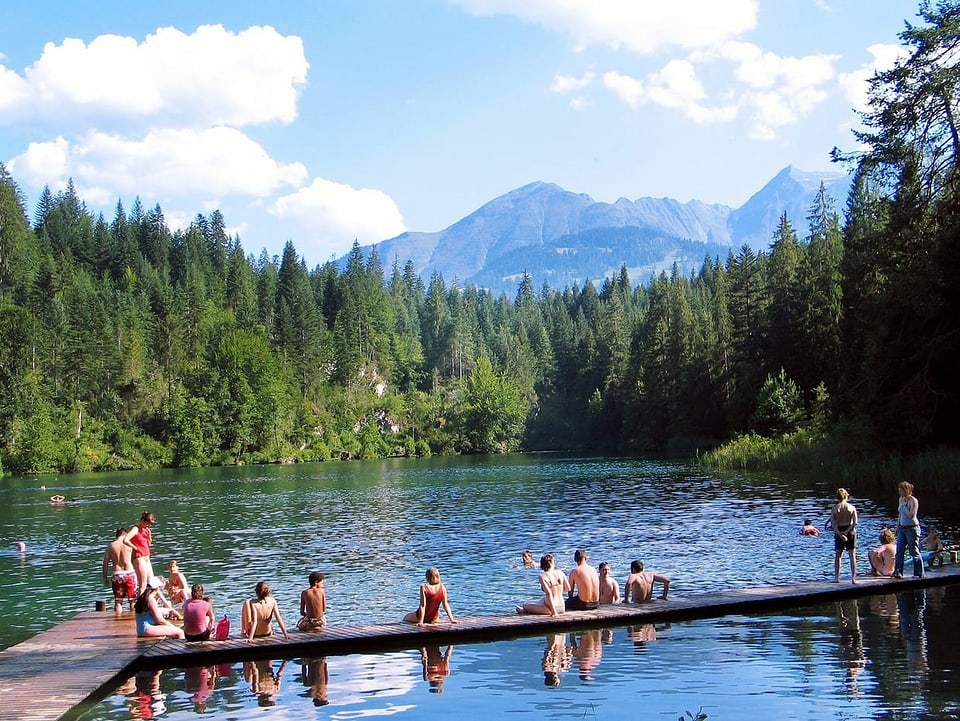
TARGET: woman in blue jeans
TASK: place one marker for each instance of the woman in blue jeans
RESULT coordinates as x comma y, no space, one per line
908,531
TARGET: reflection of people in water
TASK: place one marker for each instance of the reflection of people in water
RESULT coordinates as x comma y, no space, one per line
150,700
587,649
316,676
436,666
556,658
912,609
199,681
852,656
263,681
643,634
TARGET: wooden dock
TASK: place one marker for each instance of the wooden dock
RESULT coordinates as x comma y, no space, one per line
85,657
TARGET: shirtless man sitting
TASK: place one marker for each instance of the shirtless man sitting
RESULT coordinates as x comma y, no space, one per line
313,605
584,585
639,587
609,588
119,558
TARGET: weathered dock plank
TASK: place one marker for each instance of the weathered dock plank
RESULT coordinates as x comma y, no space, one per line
43,678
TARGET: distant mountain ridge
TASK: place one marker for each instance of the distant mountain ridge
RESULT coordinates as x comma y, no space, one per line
564,238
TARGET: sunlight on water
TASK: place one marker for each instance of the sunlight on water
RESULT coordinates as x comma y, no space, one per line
374,527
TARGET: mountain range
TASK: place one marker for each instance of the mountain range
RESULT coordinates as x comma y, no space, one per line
563,238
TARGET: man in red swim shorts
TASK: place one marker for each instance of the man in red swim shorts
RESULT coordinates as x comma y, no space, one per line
119,558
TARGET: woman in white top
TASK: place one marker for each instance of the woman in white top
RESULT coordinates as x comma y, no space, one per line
908,530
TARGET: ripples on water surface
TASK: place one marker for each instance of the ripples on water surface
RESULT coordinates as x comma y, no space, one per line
853,660
374,527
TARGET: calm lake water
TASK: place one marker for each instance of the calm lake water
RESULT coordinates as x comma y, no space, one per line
374,527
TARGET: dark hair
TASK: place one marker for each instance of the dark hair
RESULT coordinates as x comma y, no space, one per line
579,555
546,560
262,589
120,531
636,566
603,565
147,517
141,605
197,591
315,578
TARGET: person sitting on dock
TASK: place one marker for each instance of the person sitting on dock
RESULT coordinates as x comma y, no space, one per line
609,588
584,584
257,614
639,585
931,542
313,605
433,595
176,588
198,618
150,622
882,557
554,583
809,529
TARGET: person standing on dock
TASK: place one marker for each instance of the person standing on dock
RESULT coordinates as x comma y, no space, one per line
139,539
908,530
119,559
584,584
844,517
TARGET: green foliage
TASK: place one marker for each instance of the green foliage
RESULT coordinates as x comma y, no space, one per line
779,407
123,345
491,413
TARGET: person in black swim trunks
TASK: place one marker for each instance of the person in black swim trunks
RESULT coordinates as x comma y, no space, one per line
584,584
844,517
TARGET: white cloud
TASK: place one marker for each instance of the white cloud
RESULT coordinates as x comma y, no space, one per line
641,26
855,85
334,214
563,84
580,103
210,77
629,90
164,164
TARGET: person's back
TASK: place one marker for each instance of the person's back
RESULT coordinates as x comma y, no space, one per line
313,604
118,558
584,584
883,557
639,586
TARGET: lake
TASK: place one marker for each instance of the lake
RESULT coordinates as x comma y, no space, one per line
374,527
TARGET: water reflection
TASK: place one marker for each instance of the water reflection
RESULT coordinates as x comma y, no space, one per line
316,677
264,681
436,666
867,658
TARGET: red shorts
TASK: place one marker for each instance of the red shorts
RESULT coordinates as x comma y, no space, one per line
124,585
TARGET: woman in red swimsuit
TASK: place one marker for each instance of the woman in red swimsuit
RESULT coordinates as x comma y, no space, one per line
433,595
139,538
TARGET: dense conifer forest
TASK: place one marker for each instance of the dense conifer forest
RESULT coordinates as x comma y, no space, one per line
124,345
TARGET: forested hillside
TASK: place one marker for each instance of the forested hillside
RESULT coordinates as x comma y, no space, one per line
123,345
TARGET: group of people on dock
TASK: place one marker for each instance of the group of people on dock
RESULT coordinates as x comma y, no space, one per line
888,558
128,569
588,587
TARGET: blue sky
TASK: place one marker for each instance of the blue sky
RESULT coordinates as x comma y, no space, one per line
328,120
